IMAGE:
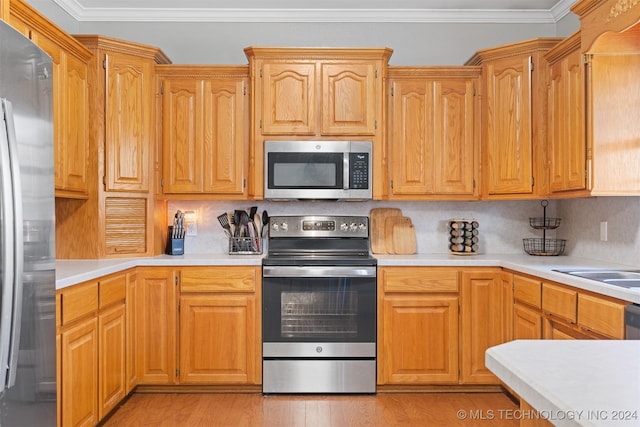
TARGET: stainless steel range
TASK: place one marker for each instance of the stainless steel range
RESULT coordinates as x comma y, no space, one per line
319,306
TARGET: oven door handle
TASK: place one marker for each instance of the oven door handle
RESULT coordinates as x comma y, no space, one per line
318,271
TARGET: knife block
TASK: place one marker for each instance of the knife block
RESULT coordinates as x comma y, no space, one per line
174,246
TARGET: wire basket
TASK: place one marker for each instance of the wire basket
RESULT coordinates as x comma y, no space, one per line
245,246
544,247
544,223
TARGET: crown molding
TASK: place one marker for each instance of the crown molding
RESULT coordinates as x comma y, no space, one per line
83,13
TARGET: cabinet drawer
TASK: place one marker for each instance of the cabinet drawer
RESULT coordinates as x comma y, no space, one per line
560,301
411,279
219,279
112,289
601,315
527,291
78,301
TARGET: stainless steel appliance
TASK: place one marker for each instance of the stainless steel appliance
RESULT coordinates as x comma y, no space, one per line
27,227
319,306
296,170
632,322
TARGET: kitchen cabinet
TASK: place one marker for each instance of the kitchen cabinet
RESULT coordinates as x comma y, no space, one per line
70,97
205,130
4,10
485,305
91,323
157,289
527,307
514,119
433,116
418,325
220,334
610,36
131,315
117,218
199,325
317,93
566,139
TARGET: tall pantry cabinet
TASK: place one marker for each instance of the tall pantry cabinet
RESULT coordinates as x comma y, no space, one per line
120,207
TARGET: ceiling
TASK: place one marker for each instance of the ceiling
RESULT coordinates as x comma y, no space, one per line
469,11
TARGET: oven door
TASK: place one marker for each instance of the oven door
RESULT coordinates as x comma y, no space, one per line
319,304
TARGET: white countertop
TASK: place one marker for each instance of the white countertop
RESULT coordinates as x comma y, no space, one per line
573,382
70,272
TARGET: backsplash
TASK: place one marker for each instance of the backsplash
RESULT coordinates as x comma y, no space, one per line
503,224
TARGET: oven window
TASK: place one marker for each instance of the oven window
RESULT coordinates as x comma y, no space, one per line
305,170
319,309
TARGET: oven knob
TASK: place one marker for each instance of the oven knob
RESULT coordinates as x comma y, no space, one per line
275,226
362,227
318,349
284,226
353,226
344,227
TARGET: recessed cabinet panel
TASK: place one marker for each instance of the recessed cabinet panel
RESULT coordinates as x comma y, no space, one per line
289,99
349,99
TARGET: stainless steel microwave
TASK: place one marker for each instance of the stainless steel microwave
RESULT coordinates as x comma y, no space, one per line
317,170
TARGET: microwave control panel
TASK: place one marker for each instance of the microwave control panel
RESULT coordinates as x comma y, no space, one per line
358,170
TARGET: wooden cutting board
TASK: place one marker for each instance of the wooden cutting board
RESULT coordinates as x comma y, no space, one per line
390,225
404,238
378,217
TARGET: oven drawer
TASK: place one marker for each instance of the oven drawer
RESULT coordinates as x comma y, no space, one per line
319,376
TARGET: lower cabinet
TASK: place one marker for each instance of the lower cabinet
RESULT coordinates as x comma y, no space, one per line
527,308
199,325
92,336
418,325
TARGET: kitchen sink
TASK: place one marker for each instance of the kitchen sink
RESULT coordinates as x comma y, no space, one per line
624,278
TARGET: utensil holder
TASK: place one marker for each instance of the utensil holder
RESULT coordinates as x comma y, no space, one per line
175,246
245,246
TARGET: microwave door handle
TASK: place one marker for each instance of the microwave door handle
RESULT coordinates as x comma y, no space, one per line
345,171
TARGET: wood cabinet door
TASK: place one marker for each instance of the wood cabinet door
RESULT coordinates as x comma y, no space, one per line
225,134
156,325
182,135
566,137
420,339
288,98
131,316
412,137
217,339
129,104
527,323
349,98
483,323
112,359
454,137
508,135
80,374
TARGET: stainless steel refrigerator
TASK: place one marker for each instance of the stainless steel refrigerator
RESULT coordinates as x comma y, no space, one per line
27,235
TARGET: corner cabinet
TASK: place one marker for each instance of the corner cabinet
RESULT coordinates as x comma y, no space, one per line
566,124
610,41
317,93
205,130
514,119
433,134
117,218
70,97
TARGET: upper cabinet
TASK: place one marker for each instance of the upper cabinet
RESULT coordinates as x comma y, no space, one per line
514,119
610,41
70,97
566,141
317,93
432,136
205,130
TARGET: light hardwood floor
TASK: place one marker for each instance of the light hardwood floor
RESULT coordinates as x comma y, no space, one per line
256,410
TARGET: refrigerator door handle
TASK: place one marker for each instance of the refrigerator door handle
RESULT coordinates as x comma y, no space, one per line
12,248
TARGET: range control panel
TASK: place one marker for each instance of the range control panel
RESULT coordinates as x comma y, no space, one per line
319,226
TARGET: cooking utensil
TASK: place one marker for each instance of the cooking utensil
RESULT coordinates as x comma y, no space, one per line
224,222
265,223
